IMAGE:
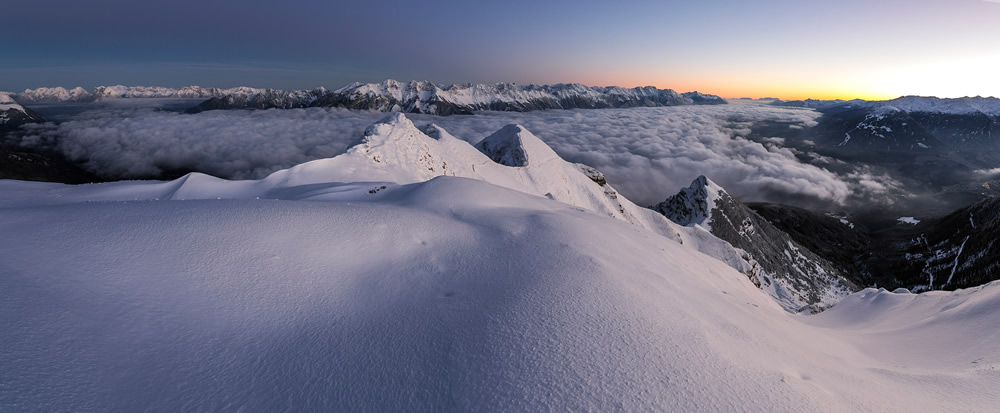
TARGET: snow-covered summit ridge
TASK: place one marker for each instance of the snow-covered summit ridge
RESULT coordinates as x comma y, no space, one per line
692,205
395,152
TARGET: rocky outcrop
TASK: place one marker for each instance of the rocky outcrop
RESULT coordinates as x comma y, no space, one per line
791,273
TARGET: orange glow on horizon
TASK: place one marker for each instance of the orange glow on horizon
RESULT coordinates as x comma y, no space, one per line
794,89
736,90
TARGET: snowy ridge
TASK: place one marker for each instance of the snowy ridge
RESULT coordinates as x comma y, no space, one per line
505,146
394,152
13,115
78,94
427,97
8,103
56,94
928,104
692,205
910,104
795,277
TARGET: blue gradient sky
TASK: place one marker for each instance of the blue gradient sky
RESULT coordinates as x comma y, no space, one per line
789,49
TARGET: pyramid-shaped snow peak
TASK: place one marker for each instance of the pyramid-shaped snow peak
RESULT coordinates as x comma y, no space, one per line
13,115
392,127
692,205
513,145
438,133
7,102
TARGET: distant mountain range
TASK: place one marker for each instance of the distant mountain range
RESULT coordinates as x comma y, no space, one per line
906,123
427,97
393,96
79,94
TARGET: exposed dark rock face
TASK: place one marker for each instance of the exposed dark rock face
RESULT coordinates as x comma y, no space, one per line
845,244
27,165
955,251
13,115
792,271
505,147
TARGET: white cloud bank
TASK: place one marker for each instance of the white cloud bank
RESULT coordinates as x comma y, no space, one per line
647,153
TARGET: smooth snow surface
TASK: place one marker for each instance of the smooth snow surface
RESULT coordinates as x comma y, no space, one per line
908,220
447,295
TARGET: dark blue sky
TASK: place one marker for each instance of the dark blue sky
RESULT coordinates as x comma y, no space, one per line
726,47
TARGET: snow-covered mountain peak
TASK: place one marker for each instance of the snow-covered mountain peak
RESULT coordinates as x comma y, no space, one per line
389,125
692,205
930,104
13,115
504,146
395,130
438,133
7,100
513,145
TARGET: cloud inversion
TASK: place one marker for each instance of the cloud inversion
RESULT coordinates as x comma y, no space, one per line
647,153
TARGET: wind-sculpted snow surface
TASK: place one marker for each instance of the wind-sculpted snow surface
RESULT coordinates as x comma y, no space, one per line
446,295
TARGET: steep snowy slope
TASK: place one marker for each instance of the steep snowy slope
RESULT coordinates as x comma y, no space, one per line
795,276
13,115
446,295
395,150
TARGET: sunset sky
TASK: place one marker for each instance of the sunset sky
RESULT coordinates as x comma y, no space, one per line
787,49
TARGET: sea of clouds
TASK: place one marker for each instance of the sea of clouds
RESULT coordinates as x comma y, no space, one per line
646,153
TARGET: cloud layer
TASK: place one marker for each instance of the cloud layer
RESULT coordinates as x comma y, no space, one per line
647,153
